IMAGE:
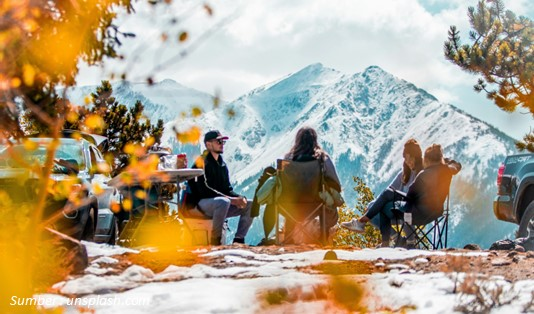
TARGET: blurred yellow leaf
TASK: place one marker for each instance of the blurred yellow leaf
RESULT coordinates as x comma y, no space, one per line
29,145
140,194
145,184
196,112
150,141
199,162
36,12
87,99
15,82
94,121
127,204
190,136
183,36
129,148
115,207
103,167
97,189
30,25
28,74
72,116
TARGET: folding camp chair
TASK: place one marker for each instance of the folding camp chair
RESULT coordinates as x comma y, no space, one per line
431,234
299,201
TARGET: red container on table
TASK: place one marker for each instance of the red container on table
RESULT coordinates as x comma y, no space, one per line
181,161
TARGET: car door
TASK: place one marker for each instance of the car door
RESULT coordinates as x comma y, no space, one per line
99,171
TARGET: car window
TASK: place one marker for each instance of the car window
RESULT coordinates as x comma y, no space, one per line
22,155
71,150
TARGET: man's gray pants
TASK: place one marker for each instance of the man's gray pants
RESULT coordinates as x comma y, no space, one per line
220,208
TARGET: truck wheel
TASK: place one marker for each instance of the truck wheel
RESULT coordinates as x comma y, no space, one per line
527,222
114,234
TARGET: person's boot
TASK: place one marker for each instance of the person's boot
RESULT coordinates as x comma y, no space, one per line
215,241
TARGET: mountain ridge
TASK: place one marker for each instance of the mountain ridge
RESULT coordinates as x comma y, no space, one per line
363,120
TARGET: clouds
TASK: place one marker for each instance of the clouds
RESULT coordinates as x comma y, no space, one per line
265,40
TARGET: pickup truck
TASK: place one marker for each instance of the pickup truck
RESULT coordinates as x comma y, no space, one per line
75,159
515,195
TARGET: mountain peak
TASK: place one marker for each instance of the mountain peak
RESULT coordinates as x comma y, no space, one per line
313,75
374,71
170,83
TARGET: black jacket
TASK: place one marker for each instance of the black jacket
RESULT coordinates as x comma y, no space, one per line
215,181
429,190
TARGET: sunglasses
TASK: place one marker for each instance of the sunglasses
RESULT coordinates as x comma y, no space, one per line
220,142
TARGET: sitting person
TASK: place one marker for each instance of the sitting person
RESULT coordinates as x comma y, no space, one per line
306,148
412,165
426,195
213,194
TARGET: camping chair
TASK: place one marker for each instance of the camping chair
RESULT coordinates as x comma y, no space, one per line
196,226
431,234
299,201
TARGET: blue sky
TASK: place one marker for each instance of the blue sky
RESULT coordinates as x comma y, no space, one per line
263,40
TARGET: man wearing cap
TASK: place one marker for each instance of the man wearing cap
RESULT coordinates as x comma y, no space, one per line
214,193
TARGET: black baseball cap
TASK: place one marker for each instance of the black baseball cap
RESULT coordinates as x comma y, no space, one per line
214,135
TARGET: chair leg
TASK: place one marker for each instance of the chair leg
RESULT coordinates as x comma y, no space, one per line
308,219
323,231
277,225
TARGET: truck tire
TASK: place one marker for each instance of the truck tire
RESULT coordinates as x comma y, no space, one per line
527,222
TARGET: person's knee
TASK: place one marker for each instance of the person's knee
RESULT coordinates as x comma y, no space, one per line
222,201
216,206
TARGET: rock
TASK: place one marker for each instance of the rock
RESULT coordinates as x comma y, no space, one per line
396,282
421,261
473,247
77,259
397,266
500,262
380,264
506,244
512,254
526,243
519,248
530,254
330,256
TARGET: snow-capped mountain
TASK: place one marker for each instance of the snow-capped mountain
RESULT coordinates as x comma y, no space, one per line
164,100
362,120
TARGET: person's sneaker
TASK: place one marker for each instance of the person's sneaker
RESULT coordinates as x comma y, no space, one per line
354,225
239,241
266,242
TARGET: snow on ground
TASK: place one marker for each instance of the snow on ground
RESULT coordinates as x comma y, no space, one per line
95,249
241,286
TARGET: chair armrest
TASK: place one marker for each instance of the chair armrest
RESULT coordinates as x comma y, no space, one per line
398,195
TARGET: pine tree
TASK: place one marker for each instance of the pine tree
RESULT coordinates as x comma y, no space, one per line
122,126
502,52
371,237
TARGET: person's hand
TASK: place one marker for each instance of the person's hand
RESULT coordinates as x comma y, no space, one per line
239,201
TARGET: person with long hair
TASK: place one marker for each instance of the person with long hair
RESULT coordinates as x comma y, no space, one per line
428,192
307,148
412,165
